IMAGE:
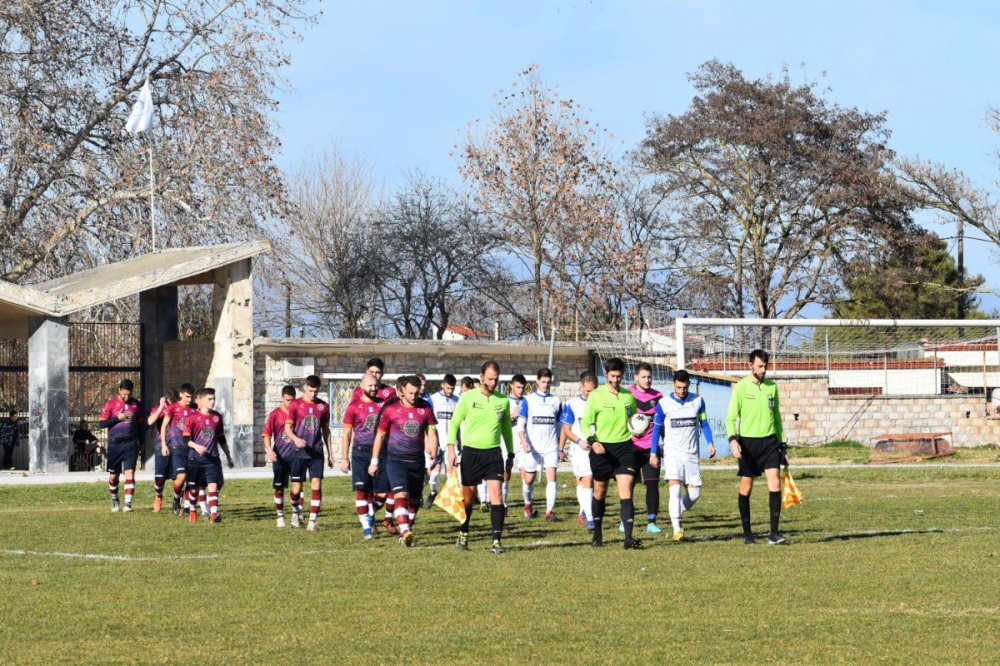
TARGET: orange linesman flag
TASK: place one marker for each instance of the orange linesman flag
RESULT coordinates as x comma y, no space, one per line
790,493
449,497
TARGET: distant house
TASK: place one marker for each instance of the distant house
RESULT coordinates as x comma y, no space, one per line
459,332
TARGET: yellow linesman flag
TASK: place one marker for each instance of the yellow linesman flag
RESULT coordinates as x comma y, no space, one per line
790,493
449,497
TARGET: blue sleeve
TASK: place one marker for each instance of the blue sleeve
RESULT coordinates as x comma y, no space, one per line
706,429
658,420
524,408
567,416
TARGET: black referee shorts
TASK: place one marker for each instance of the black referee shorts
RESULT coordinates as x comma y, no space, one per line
618,458
481,465
758,454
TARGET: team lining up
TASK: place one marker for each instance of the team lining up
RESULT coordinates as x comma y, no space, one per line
397,441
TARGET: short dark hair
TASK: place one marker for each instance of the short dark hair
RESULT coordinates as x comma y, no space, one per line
761,354
518,379
420,376
614,365
644,366
682,376
401,380
488,365
126,384
544,372
449,379
186,388
312,381
173,395
410,380
375,362
202,392
468,383
288,389
588,377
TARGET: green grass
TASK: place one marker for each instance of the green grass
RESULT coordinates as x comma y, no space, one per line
886,564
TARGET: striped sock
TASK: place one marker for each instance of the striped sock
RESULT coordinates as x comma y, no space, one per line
317,497
202,500
296,505
129,491
361,507
213,503
279,502
177,491
402,515
158,484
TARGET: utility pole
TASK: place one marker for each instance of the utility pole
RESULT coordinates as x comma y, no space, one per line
288,309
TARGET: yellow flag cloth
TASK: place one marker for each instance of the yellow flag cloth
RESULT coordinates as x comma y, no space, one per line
790,493
449,497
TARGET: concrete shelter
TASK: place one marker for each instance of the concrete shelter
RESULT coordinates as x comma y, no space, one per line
41,312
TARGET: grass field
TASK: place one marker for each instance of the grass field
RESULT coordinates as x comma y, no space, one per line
886,564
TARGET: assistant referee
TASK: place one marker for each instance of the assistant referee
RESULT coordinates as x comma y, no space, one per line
757,441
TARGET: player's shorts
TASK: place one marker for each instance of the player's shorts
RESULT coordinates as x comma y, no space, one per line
686,469
534,461
122,456
281,470
360,478
480,465
758,454
406,476
202,475
162,464
178,463
580,460
646,471
299,467
617,459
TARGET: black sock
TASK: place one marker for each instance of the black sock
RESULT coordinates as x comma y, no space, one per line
464,528
652,497
598,506
745,514
774,501
496,520
628,517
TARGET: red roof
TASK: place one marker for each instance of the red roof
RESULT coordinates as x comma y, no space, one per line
465,331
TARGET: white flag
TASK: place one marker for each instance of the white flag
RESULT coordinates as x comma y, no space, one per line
141,118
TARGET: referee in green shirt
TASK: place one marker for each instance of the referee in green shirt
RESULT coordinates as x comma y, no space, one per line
486,417
758,441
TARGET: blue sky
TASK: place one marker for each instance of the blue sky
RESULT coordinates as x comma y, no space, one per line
397,82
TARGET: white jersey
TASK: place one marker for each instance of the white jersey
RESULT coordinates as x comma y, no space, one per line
515,409
539,421
444,407
682,424
572,415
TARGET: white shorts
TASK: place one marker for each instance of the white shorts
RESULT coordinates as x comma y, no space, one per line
685,470
535,461
580,460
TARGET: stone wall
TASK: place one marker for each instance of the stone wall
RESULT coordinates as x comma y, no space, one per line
187,361
822,417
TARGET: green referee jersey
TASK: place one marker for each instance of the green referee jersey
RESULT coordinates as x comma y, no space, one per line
486,419
606,415
755,408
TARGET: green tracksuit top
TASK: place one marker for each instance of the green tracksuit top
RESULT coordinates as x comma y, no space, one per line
755,406
607,414
486,419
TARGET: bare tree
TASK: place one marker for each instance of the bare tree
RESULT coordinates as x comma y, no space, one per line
778,189
74,187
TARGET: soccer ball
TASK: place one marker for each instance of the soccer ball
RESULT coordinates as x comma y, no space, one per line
638,424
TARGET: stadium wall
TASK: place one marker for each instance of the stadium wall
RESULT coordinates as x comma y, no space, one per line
822,417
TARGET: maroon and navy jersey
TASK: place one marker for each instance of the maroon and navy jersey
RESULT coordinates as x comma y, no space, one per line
122,431
407,428
362,417
178,415
274,428
207,430
308,420
384,393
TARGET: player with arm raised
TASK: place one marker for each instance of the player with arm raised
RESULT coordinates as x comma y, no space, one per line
757,440
308,426
485,416
579,449
685,419
538,434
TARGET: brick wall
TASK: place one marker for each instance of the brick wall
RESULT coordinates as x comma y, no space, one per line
825,418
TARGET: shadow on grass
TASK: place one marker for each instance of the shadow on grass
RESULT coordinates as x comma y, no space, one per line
874,534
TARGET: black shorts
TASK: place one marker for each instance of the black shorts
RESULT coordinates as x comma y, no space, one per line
406,476
122,456
281,470
648,473
758,454
201,475
481,465
178,463
617,459
361,459
162,464
301,466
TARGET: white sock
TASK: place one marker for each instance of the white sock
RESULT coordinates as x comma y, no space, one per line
433,482
585,496
675,505
693,493
482,492
529,490
550,496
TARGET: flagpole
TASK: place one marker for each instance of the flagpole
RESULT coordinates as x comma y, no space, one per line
152,188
